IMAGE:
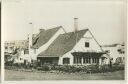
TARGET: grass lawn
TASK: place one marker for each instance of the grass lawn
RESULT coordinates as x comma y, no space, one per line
17,75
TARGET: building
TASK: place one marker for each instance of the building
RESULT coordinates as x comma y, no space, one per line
41,41
116,52
73,48
13,49
22,57
10,46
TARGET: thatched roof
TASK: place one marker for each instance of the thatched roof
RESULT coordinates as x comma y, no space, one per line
63,44
43,37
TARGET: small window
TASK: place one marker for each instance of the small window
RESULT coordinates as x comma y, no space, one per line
86,44
66,60
6,47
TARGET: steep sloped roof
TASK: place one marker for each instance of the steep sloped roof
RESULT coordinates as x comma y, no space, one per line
63,44
43,37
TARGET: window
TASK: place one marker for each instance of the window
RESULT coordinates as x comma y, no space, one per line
89,60
66,60
95,60
20,58
86,44
77,60
84,60
107,51
6,47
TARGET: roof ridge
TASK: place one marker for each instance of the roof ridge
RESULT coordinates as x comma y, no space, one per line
45,31
49,29
44,36
73,31
54,28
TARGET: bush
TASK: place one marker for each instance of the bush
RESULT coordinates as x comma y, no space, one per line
104,68
73,69
117,67
92,69
107,68
44,68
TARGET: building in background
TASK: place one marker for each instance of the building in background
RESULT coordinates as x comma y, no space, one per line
13,49
116,52
18,44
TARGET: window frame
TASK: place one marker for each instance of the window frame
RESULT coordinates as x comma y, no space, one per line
66,60
87,44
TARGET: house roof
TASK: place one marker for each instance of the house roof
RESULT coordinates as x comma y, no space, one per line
63,44
113,45
43,37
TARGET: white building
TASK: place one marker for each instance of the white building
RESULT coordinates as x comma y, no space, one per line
13,50
116,52
22,57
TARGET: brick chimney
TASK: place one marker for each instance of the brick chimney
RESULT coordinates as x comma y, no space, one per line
75,24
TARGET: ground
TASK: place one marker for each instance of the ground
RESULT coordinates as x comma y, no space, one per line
18,75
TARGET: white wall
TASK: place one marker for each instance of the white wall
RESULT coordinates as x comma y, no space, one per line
113,52
67,55
23,57
93,46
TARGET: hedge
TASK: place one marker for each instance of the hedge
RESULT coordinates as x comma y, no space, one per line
87,69
77,68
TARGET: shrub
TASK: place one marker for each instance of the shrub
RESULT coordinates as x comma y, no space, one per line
44,68
104,68
92,68
117,67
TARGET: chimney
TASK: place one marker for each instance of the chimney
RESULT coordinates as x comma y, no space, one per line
75,24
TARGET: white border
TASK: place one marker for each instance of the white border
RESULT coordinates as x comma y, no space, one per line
59,81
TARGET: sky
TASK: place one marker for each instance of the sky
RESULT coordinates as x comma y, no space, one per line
105,19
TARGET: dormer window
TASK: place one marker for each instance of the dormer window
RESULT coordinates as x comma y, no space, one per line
86,44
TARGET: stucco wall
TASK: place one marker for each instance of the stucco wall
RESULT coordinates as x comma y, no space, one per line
93,46
114,53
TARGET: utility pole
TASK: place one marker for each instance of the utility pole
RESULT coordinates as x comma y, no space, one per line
30,41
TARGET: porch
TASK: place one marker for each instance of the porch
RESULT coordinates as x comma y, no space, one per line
85,58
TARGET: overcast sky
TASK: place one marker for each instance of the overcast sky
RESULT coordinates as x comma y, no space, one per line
105,19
